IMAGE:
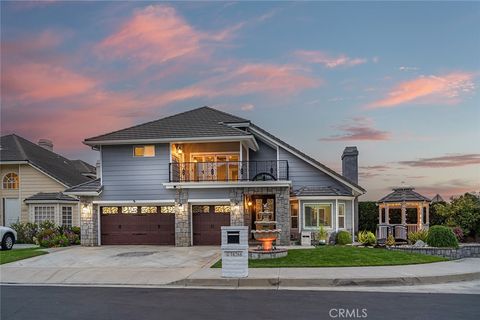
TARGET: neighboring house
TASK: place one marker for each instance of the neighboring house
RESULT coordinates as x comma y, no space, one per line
177,180
33,179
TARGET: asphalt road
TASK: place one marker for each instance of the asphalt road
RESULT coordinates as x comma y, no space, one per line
20,302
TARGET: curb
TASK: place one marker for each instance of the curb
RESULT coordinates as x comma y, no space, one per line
291,282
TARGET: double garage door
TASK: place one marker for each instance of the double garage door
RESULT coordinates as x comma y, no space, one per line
138,225
156,225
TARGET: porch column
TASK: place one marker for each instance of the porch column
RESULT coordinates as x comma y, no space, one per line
237,215
89,216
427,221
404,213
387,216
379,214
420,216
182,220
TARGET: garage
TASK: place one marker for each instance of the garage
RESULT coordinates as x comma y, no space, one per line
138,225
207,223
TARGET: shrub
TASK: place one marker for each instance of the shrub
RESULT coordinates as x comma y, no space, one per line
390,240
367,238
26,232
440,236
46,225
72,237
367,216
45,237
458,233
343,238
422,234
76,230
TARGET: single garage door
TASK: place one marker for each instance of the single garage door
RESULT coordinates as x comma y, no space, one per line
138,225
207,222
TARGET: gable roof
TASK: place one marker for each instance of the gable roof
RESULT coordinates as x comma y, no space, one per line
83,167
403,194
15,148
89,187
204,122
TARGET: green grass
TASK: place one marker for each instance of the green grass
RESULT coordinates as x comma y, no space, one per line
339,256
20,254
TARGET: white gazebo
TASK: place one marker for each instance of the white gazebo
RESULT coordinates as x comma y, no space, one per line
397,203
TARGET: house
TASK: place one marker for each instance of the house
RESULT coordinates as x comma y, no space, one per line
33,180
177,180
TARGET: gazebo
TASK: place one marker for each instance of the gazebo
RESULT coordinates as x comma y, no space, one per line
396,217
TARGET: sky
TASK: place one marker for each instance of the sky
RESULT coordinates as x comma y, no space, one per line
399,80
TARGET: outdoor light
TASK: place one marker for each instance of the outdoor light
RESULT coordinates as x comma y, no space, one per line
179,149
249,203
86,210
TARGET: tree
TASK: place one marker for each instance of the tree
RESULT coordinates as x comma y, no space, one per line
464,212
367,216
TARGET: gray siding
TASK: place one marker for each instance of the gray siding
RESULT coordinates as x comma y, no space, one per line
214,193
265,152
304,174
126,177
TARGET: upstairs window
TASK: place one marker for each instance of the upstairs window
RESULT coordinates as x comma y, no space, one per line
144,151
10,181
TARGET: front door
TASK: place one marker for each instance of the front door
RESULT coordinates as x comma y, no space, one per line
259,204
12,211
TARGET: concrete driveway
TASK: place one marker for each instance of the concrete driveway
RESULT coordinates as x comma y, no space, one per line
116,265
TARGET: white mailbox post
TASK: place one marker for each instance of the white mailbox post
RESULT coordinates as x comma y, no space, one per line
235,252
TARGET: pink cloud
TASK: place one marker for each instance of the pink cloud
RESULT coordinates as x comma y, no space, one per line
360,129
157,34
442,89
447,161
328,60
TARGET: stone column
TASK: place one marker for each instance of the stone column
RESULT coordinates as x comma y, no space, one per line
237,214
182,220
282,199
88,222
404,213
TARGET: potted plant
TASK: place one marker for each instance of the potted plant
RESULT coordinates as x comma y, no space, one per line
322,235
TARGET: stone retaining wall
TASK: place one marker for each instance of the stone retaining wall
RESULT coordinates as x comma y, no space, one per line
464,251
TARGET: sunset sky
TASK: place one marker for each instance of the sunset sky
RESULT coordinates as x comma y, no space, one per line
398,80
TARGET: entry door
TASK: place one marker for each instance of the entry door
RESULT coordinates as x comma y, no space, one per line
12,211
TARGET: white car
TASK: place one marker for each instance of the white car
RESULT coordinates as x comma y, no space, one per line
8,236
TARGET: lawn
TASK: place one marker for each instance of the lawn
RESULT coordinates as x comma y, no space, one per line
337,256
20,254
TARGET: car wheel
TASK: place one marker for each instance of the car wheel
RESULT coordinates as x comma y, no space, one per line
7,242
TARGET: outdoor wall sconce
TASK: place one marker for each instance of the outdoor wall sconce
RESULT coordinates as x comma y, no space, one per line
86,211
249,203
179,148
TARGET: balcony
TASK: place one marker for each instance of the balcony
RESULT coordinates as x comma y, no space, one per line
229,171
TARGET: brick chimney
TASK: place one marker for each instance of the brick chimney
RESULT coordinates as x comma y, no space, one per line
45,143
350,164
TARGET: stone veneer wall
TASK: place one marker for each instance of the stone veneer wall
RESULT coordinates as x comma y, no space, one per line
282,207
88,224
464,251
237,216
182,219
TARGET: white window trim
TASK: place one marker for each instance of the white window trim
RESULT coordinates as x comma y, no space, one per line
18,180
71,213
317,203
55,211
143,146
344,216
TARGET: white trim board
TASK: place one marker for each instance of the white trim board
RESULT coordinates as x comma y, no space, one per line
119,202
235,184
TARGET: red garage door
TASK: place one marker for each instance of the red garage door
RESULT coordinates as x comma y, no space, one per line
138,225
207,222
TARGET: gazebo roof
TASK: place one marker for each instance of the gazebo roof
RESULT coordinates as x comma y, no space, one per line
437,198
404,194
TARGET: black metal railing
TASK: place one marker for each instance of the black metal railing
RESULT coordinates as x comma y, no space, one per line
268,170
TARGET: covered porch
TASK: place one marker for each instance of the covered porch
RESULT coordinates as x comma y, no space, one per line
401,212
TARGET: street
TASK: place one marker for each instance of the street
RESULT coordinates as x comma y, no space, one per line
36,302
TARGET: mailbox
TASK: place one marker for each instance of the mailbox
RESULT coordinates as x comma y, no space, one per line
306,238
235,252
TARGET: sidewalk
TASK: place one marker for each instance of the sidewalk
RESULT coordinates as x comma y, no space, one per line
433,273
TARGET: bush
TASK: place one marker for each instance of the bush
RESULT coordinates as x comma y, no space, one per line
367,238
463,211
422,234
390,240
26,232
458,232
440,236
367,216
343,238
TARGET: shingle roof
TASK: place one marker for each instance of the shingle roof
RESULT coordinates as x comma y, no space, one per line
437,198
83,167
403,194
47,196
200,122
16,148
320,191
89,186
280,142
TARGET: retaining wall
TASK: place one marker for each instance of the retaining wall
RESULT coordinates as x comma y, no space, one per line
464,251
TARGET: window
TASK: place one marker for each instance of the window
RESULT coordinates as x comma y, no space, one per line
67,216
294,215
109,210
200,209
129,210
149,209
144,151
10,181
316,215
167,209
223,209
44,213
341,215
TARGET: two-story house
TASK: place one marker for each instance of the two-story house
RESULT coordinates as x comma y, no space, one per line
177,180
33,180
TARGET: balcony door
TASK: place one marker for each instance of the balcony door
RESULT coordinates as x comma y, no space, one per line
215,167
